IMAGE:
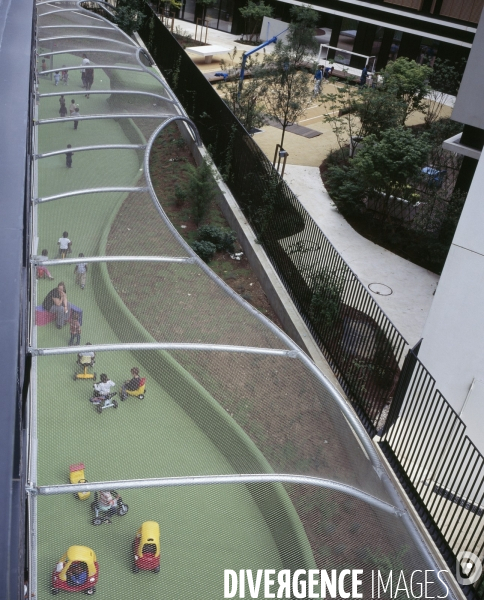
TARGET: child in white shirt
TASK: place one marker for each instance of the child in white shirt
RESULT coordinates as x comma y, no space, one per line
104,386
64,244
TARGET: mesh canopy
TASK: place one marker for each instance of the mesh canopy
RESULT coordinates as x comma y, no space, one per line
253,407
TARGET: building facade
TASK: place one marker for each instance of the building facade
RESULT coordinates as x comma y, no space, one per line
418,29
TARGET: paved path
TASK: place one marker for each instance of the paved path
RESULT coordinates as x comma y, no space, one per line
412,286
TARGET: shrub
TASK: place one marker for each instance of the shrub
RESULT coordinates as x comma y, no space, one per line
221,238
205,250
327,299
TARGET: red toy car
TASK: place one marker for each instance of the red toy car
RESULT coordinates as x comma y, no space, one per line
146,548
77,571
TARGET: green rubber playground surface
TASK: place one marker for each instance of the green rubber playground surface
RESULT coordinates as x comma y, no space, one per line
204,529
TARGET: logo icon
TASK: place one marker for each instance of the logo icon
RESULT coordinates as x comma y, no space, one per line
468,568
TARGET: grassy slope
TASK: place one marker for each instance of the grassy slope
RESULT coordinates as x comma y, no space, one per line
203,530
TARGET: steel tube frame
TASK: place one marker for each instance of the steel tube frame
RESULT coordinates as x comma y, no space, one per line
98,259
89,191
160,346
110,92
46,490
99,117
84,148
71,50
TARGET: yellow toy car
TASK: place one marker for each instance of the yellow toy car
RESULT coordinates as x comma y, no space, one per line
77,571
76,475
146,548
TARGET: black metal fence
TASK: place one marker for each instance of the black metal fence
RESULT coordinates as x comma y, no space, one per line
440,468
389,388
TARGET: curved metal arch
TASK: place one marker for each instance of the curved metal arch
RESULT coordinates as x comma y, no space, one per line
46,490
99,117
89,191
65,10
84,148
71,50
161,346
93,27
98,259
89,14
128,92
119,67
84,37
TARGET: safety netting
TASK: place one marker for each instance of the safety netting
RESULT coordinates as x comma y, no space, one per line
118,295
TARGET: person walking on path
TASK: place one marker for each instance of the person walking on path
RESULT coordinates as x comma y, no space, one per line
89,79
72,108
69,157
364,75
85,61
81,271
318,78
63,108
76,114
64,244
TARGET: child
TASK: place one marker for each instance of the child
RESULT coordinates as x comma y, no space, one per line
104,386
43,272
64,244
76,114
69,156
64,75
43,67
63,108
132,384
75,330
72,108
56,77
81,270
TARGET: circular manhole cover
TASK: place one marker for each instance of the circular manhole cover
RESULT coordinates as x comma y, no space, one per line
381,289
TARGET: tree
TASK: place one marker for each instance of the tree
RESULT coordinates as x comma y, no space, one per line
445,80
130,15
327,298
289,83
248,103
253,14
200,189
408,81
386,167
356,112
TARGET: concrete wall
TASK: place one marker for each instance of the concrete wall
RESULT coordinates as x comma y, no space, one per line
453,338
468,106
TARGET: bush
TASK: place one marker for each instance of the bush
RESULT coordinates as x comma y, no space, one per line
327,299
221,238
205,250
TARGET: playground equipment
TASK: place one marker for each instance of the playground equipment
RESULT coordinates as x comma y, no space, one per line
107,504
76,475
77,571
146,548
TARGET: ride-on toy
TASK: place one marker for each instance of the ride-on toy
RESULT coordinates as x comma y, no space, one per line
77,571
107,504
139,393
101,402
85,362
146,548
76,475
